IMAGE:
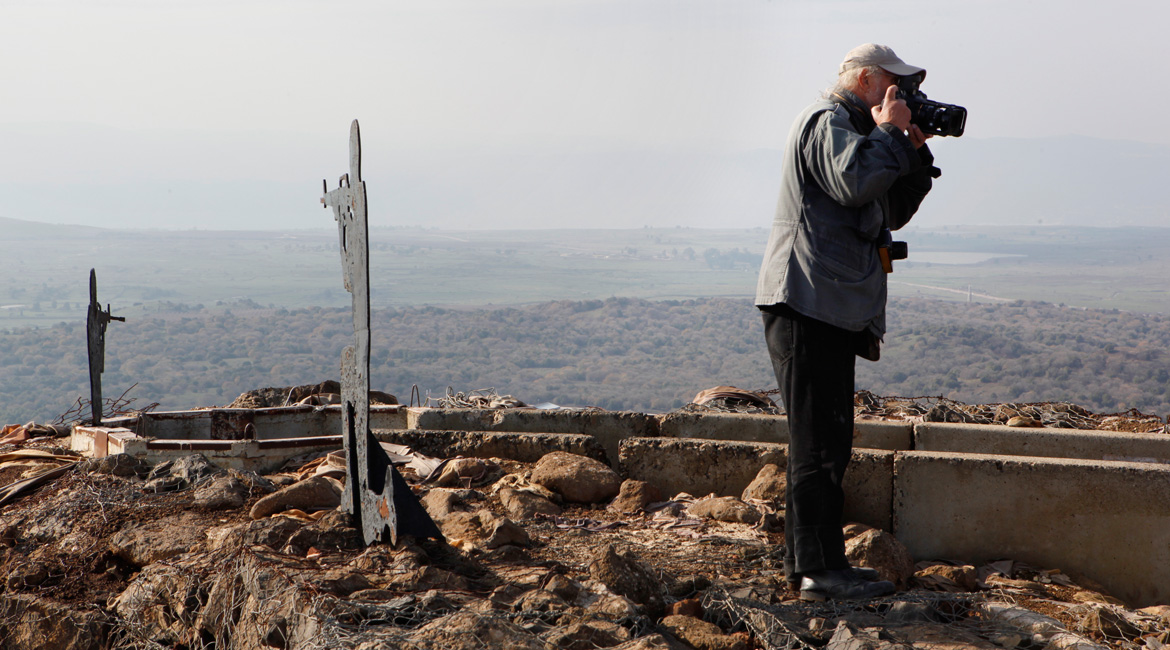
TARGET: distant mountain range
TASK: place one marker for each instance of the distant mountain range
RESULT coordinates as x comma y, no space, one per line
271,181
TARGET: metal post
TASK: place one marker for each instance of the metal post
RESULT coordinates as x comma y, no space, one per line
95,332
369,488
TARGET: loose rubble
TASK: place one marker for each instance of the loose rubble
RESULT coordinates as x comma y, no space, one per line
560,553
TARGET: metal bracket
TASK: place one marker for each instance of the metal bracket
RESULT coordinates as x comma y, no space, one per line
95,334
369,485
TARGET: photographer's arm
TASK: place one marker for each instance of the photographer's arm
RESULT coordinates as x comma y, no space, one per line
907,192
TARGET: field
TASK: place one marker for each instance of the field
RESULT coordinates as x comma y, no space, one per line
141,272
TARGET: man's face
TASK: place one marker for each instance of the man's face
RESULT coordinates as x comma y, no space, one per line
876,85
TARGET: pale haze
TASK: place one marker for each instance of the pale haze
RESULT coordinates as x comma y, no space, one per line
552,114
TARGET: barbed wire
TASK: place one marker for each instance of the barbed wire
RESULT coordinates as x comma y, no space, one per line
111,407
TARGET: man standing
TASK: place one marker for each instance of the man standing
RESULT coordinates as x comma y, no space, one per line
854,169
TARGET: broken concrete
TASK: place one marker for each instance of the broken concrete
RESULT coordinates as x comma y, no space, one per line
608,428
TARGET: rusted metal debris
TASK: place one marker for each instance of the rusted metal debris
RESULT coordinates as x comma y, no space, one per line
375,493
95,331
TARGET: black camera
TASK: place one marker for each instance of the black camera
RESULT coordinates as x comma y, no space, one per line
890,250
930,116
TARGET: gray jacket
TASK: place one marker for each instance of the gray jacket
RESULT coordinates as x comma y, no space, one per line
844,180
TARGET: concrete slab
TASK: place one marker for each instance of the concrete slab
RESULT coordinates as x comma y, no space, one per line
524,447
1107,520
754,427
745,427
700,467
882,434
1046,443
608,427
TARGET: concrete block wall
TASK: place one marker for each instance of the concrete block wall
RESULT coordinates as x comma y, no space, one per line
1107,520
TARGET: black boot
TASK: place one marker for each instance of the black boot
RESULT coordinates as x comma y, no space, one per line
841,584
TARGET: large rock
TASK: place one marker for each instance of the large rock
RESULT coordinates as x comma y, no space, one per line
881,550
30,621
116,465
482,529
222,493
587,635
190,470
273,533
317,493
161,539
466,472
635,495
627,576
729,509
576,478
942,577
524,504
441,502
471,631
770,484
702,635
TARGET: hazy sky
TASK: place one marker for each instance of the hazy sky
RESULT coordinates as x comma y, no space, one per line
99,96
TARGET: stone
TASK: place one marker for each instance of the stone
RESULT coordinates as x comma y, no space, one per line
123,465
190,470
523,504
466,472
541,600
953,579
634,495
482,529
332,532
222,493
316,493
1087,596
882,551
701,635
563,587
627,576
34,622
689,607
1159,611
688,586
27,576
770,484
848,637
728,509
470,631
1112,624
577,479
854,529
441,502
648,642
342,582
587,635
147,543
613,606
273,533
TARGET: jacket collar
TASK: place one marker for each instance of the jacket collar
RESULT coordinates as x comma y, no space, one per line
859,113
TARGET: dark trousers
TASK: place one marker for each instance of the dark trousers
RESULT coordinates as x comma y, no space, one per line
814,364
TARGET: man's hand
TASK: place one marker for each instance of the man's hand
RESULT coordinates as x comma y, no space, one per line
917,137
892,110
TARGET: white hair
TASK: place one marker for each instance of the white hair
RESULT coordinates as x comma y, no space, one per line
850,79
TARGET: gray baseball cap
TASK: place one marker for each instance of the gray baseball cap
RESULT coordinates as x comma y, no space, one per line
881,56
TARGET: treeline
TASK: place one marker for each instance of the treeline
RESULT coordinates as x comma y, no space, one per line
619,353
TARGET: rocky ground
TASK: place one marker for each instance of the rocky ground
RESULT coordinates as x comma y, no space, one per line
561,553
